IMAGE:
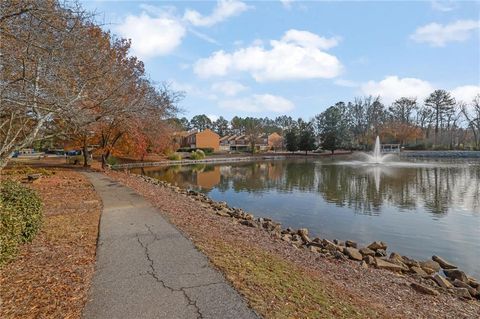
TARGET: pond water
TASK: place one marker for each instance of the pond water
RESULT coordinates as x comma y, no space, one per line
419,208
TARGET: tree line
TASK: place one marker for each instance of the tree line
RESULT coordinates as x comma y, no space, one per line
438,122
64,78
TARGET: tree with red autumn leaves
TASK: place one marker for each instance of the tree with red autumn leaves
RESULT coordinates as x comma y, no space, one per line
63,76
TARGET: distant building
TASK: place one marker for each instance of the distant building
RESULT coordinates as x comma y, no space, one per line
241,142
195,139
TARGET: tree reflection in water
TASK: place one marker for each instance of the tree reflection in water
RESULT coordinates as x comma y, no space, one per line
364,189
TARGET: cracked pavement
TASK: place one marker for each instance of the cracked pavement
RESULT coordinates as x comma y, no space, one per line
146,268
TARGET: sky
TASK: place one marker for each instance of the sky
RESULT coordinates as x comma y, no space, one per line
270,58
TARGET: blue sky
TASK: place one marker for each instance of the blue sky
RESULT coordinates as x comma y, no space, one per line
268,58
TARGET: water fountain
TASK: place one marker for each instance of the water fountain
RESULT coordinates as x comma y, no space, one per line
376,157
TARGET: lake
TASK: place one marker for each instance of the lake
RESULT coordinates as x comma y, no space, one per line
418,207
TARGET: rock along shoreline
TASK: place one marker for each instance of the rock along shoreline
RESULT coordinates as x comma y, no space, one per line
427,273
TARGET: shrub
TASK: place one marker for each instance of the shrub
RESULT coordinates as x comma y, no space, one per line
175,157
112,161
196,155
441,148
20,217
207,150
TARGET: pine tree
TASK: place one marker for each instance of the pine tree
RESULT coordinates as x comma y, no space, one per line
291,141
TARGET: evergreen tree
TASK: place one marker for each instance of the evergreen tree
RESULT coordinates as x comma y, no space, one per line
201,122
306,139
291,141
220,126
185,124
333,128
441,103
238,125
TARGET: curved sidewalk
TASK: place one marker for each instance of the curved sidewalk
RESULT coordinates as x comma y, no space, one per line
145,268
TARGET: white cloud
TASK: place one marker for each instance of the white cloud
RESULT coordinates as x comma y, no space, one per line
466,93
228,88
152,36
439,35
179,86
309,39
393,87
191,90
223,10
287,3
443,5
203,36
259,103
298,55
158,31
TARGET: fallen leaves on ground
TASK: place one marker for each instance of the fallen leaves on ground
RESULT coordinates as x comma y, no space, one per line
51,275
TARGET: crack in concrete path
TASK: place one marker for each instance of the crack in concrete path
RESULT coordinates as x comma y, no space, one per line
150,270
154,274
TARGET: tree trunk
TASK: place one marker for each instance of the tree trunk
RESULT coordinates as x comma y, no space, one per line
104,159
85,153
85,157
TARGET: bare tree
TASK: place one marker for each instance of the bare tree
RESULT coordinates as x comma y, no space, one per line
39,44
62,75
402,109
472,115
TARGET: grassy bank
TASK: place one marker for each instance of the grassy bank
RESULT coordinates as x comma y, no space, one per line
276,288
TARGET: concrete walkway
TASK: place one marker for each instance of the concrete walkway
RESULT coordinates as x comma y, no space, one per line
146,269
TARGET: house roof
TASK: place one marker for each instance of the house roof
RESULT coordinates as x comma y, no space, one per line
181,133
239,137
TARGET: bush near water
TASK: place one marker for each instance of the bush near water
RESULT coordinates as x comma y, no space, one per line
175,157
198,154
206,150
20,218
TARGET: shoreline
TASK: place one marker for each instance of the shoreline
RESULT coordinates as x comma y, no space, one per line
336,248
219,159
422,277
441,154
200,161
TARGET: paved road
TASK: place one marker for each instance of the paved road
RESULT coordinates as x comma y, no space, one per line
146,269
